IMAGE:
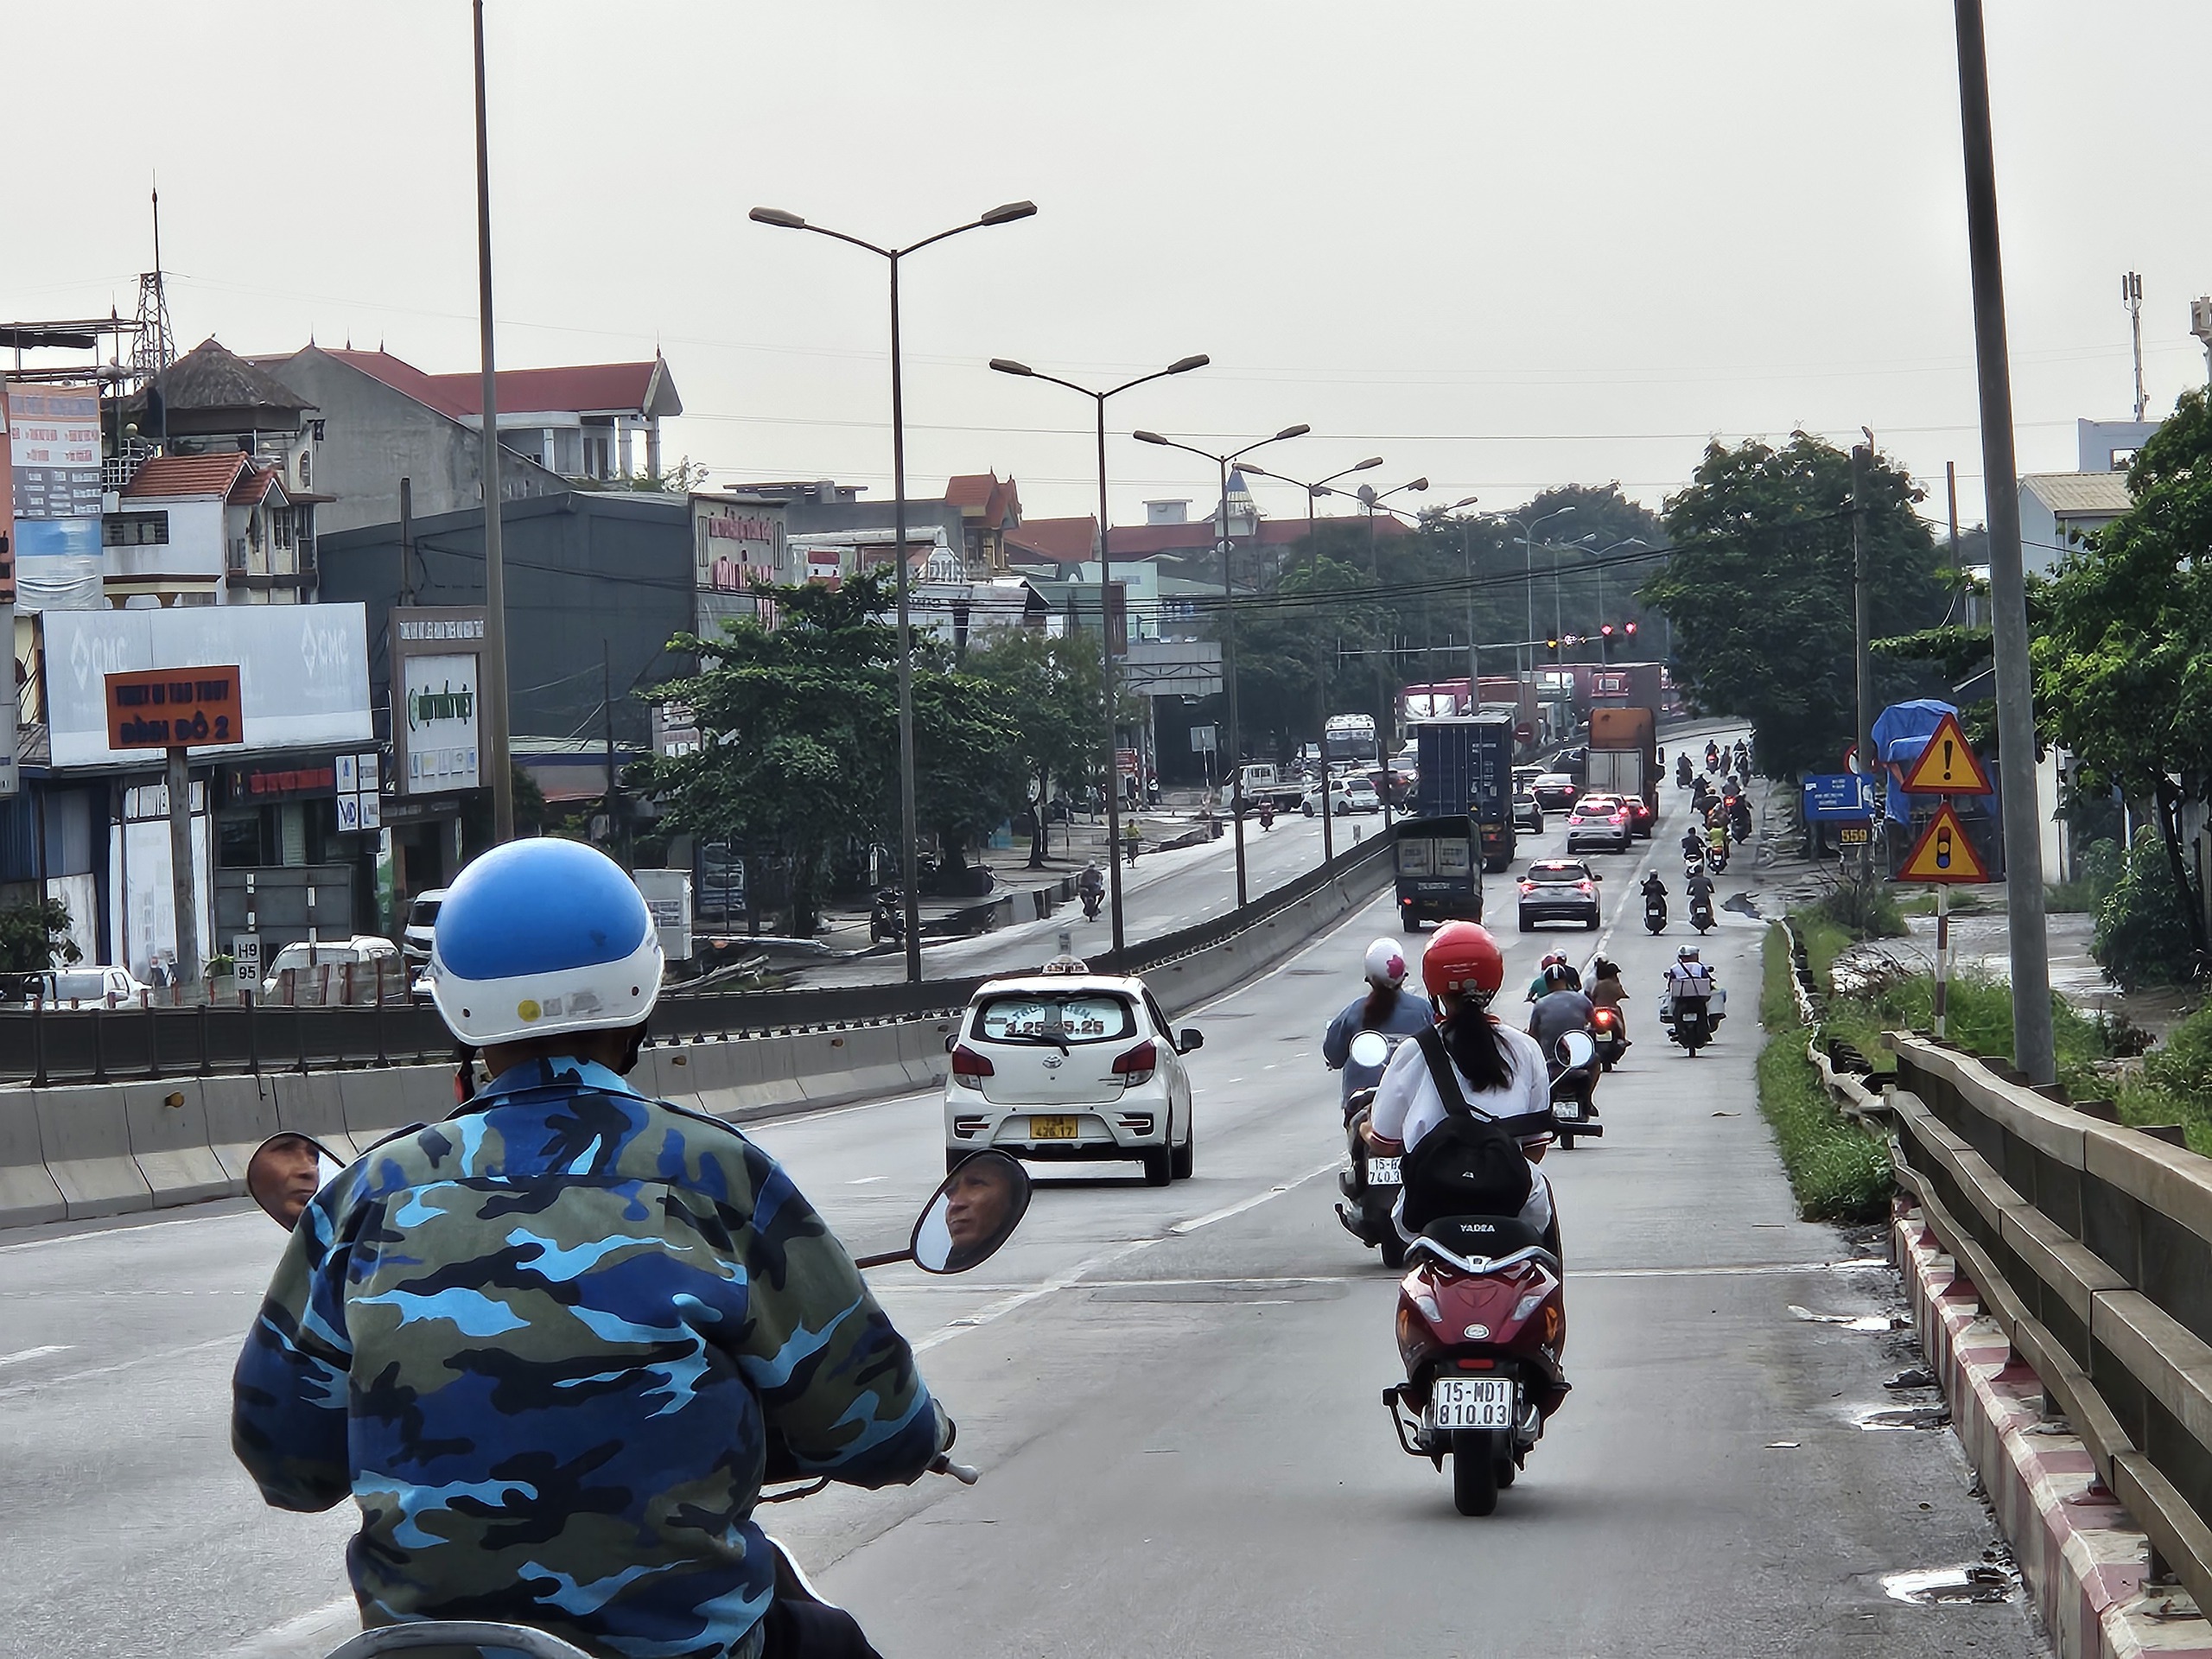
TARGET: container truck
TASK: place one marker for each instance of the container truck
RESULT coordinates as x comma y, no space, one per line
1623,757
1439,871
1466,767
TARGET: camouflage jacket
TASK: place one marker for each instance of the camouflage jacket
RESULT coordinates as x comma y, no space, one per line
543,1342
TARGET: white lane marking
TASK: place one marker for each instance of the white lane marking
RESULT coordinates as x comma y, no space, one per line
866,1181
1253,1203
117,1232
23,1354
319,1628
162,1357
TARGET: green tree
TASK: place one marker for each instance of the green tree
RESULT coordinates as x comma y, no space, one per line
35,937
801,730
2124,659
1758,588
1056,695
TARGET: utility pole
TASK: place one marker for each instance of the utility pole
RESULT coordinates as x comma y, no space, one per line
2033,1046
2131,296
1862,609
494,669
406,534
183,878
606,711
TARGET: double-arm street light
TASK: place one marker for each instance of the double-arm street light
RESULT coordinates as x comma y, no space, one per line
908,825
1181,365
1386,725
1528,573
1314,492
1229,628
1467,554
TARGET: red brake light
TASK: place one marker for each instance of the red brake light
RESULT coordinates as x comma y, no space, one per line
1527,886
1138,1064
968,1065
1585,885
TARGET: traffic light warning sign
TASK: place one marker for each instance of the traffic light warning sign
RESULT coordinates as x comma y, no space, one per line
1947,765
1943,854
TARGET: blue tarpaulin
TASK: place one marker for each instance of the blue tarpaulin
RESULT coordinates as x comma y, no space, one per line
1901,731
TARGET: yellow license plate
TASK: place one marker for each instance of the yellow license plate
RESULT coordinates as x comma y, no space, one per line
1052,1128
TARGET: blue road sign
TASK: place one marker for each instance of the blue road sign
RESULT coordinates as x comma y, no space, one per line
1838,797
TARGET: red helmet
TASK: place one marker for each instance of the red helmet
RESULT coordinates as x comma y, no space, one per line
1463,960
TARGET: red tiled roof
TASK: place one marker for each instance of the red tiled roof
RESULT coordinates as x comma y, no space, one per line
1063,541
254,484
591,388
171,477
971,490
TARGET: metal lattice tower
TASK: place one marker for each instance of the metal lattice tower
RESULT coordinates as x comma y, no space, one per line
154,349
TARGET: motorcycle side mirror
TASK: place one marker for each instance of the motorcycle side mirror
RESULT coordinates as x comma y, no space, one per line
286,1171
1370,1049
974,1211
1576,1050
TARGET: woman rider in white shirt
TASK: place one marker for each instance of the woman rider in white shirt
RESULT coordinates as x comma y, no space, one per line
1500,1071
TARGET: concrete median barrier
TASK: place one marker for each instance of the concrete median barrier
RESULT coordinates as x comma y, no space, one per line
753,1079
669,1073
922,1051
168,1124
309,1103
241,1114
28,1194
832,1067
375,1102
85,1136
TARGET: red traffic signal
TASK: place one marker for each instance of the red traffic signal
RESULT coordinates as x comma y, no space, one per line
1631,627
1606,629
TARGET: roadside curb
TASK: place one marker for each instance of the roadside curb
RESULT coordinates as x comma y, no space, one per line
2080,1556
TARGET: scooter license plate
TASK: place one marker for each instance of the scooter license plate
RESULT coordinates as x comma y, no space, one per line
1567,1108
1384,1171
1471,1403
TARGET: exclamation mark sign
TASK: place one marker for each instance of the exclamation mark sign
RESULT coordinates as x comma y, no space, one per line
1946,760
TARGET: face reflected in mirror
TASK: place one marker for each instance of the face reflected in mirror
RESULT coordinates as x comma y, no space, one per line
974,1212
1370,1049
285,1173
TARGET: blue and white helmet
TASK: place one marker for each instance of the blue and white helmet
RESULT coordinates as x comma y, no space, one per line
541,936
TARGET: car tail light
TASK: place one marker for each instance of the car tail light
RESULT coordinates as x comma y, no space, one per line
968,1067
1527,886
1138,1064
1136,1122
1583,886
966,1127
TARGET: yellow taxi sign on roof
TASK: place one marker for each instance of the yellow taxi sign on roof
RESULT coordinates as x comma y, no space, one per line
1947,765
1943,854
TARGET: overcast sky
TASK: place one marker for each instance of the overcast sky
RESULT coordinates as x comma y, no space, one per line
1506,246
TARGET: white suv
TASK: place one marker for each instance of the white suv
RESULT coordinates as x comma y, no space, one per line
1071,1065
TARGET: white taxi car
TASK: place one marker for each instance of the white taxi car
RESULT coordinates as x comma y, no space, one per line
1069,1065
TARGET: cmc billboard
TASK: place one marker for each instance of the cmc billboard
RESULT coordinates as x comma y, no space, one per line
302,672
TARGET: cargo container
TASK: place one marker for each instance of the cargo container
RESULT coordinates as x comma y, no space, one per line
1466,767
1624,758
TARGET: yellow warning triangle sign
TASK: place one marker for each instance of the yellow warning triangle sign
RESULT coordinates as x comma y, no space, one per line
1943,853
1947,765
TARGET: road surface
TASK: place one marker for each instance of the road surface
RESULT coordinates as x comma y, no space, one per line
1173,1395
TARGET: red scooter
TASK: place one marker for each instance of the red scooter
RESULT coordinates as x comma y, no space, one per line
1482,1322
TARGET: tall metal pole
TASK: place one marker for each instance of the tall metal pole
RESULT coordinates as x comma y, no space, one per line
909,814
1861,610
1474,663
184,884
1228,670
494,669
2033,1048
1529,588
1113,706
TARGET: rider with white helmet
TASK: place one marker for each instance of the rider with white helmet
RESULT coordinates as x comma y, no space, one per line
1383,1007
566,1278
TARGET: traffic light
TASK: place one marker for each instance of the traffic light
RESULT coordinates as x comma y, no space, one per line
1554,644
1606,641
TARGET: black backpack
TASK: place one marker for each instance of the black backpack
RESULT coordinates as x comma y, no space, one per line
1467,1165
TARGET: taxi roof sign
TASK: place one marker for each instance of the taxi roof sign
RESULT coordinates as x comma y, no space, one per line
1947,765
1943,854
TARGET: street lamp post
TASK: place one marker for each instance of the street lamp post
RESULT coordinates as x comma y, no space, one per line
1599,555
1528,574
495,567
909,827
1467,554
1315,491
1182,366
1229,630
1370,497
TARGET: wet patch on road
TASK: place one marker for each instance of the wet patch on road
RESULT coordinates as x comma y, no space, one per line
1922,1417
1247,1293
1871,1323
1980,1585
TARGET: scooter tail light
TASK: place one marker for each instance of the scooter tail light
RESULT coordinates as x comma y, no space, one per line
1138,1064
970,1068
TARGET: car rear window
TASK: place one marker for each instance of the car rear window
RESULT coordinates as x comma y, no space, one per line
424,912
1074,1017
1557,873
79,988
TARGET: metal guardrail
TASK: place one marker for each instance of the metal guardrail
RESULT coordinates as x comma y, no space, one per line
43,1047
2090,1245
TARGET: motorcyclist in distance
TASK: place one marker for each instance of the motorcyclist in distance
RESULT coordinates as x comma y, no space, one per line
1385,1007
1092,886
549,1343
1687,976
1694,844
1541,987
1697,882
1562,1008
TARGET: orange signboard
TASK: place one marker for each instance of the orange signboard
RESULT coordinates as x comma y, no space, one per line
1947,765
1943,854
173,707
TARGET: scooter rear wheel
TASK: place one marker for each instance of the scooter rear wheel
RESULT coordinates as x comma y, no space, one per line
1474,1471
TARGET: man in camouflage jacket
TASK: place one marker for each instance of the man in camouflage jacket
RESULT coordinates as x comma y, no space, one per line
546,1344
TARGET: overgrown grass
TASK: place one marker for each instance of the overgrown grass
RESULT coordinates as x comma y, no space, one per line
1839,1170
